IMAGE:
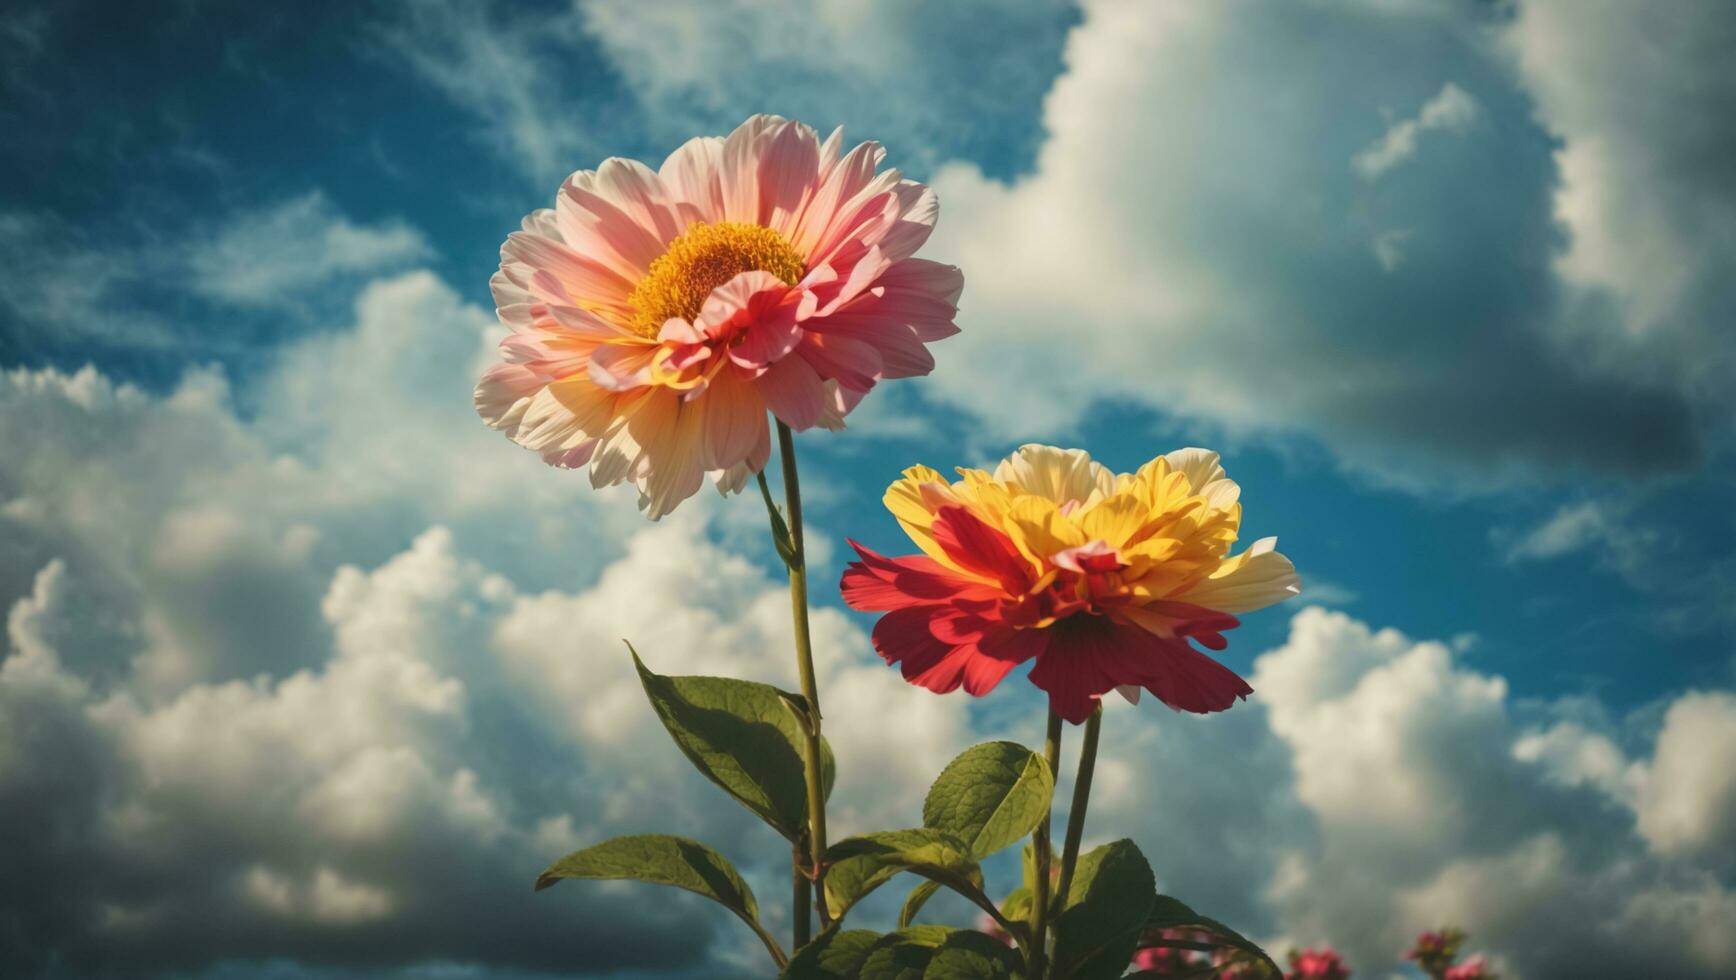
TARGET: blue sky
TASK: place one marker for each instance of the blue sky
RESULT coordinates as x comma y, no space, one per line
298,647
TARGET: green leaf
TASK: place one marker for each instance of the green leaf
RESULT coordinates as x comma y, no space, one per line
1017,905
936,952
1173,913
1106,908
903,955
990,797
858,865
744,737
661,860
781,540
913,904
833,955
971,955
1199,971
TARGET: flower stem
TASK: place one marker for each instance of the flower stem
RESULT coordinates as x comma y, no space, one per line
798,566
801,893
1081,795
1038,958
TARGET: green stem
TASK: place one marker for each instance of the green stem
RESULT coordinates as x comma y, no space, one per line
801,893
772,947
1081,795
1038,955
798,565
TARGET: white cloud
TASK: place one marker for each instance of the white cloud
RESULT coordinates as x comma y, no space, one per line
503,67
273,256
1632,539
1571,528
75,293
934,81
331,798
1451,110
1636,94
1687,805
281,699
1375,787
1195,221
437,695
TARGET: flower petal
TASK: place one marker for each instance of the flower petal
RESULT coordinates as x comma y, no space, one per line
691,175
1060,475
1255,579
794,392
735,420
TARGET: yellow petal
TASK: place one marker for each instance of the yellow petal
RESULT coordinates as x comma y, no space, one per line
1036,526
1114,520
1059,475
1254,579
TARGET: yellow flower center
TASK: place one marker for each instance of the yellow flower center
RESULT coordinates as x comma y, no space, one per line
702,258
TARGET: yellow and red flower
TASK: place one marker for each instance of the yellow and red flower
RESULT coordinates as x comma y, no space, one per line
657,315
1102,579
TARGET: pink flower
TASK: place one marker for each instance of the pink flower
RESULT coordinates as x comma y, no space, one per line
1167,959
1435,951
987,924
657,315
1321,964
1475,968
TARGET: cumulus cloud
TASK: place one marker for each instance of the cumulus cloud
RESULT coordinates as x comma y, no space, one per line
1641,539
1409,311
1375,786
448,716
1637,95
458,735
285,717
1432,800
1218,252
960,80
267,258
1571,528
553,92
1451,110
503,67
1687,800
70,292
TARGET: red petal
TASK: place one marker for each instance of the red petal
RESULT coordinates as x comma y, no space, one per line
877,583
1089,655
980,549
982,673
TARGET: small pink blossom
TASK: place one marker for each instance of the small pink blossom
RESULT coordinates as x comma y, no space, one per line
1320,964
1475,968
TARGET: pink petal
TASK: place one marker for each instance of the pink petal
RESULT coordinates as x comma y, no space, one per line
619,367
839,184
690,175
638,192
788,174
902,353
739,169
918,212
793,392
753,307
733,479
852,362
577,274
735,421
670,432
601,230
501,394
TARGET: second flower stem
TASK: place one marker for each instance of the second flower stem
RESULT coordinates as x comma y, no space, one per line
1043,856
1081,796
797,561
